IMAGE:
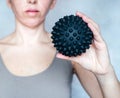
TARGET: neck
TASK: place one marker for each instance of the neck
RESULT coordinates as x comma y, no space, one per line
26,35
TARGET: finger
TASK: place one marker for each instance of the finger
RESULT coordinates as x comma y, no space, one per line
87,19
92,25
96,34
59,55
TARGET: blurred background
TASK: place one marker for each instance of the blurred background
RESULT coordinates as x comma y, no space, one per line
104,12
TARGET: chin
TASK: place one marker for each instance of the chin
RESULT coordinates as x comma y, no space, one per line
33,24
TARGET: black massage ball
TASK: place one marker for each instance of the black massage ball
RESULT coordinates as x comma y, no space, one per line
71,36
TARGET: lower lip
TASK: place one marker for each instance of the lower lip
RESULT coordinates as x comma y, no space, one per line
32,12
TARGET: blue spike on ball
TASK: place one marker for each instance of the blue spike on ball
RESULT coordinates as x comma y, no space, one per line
71,36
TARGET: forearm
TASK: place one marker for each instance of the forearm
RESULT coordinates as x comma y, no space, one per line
90,84
88,81
109,84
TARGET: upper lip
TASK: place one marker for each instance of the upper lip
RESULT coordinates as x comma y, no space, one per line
32,10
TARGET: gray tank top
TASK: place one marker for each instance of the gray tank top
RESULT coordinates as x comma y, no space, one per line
54,82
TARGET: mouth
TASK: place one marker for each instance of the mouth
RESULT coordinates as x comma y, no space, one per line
32,12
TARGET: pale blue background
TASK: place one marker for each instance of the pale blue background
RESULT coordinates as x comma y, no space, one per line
104,12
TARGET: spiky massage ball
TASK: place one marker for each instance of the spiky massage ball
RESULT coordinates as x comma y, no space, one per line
71,36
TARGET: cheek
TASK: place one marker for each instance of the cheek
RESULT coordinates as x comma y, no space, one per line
16,9
45,6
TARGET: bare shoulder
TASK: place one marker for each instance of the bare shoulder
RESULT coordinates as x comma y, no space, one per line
4,42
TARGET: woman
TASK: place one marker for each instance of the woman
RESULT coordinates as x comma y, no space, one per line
27,71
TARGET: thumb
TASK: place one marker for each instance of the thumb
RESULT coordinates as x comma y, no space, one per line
61,56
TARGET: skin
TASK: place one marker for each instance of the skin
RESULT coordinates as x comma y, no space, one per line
30,39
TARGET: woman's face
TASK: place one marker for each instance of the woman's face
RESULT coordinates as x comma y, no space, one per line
31,12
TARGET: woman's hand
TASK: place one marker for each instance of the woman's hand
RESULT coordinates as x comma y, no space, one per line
96,58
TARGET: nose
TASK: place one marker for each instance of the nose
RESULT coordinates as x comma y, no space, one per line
32,1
